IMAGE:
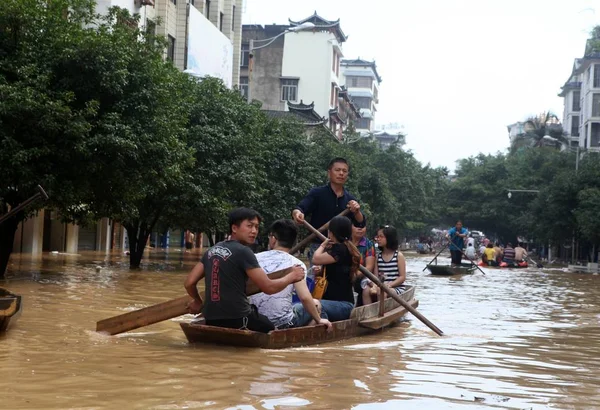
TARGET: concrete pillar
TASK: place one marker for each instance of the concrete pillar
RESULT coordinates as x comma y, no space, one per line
72,242
124,238
103,237
18,236
33,234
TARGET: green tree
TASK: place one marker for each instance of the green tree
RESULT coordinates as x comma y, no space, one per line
137,156
41,127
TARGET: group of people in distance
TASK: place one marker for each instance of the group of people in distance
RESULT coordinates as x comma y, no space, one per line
490,254
228,265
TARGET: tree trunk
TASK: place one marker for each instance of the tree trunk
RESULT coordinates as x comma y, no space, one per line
138,233
138,237
211,241
7,239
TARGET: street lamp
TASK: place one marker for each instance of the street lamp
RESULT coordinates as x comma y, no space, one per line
510,191
307,25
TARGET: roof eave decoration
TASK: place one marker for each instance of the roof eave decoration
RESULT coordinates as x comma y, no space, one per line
321,24
334,113
364,63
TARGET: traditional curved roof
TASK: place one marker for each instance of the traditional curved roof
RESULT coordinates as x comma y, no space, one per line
304,113
323,24
572,83
358,62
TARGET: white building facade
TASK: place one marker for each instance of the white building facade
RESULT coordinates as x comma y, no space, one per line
173,15
299,68
572,113
361,79
581,93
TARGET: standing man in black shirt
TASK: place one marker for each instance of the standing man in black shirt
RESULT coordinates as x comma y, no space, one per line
227,266
325,202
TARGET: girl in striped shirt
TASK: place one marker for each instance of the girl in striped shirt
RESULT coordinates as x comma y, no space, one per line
391,265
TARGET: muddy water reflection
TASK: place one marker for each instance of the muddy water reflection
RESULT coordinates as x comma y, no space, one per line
514,339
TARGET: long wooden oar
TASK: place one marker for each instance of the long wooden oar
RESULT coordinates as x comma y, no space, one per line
438,254
391,293
537,264
163,311
312,236
473,263
41,194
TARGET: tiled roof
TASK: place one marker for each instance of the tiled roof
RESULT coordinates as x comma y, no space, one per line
321,23
304,113
358,62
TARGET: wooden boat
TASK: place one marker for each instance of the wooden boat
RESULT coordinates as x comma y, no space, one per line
505,267
465,268
10,308
363,320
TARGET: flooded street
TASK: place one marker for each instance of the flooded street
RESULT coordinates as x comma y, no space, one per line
520,339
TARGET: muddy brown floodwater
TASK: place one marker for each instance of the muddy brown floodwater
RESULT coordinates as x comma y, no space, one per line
522,339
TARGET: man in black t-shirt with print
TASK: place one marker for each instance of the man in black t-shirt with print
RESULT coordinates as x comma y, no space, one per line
227,266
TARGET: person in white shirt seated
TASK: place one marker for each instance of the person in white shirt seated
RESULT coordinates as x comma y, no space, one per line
470,252
278,307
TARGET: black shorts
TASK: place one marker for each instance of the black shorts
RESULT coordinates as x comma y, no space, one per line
254,321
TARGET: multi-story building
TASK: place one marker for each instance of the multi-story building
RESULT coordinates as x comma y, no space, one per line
572,115
361,79
175,17
515,130
581,93
45,231
298,66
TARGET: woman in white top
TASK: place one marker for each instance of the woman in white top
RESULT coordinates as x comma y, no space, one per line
391,264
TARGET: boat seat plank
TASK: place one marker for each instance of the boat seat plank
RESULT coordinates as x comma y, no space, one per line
388,318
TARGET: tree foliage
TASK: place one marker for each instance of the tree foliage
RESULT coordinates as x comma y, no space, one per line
90,110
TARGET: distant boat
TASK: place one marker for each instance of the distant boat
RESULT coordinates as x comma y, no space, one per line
10,308
465,268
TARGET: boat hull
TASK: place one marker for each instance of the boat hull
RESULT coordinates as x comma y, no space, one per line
10,308
307,335
446,270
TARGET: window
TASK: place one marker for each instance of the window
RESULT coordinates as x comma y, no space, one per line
363,124
596,105
576,101
233,19
207,6
221,15
333,98
171,48
289,89
245,57
596,75
334,64
595,135
332,95
174,1
363,102
575,126
362,82
244,87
